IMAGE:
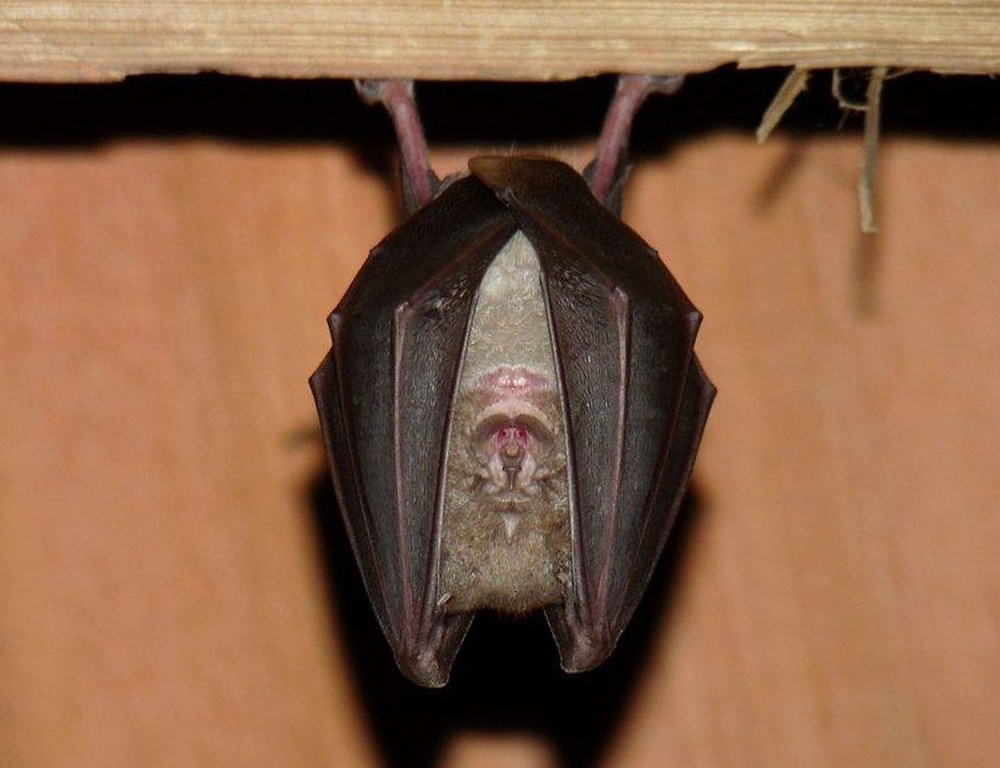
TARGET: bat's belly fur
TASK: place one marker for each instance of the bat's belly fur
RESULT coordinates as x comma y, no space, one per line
505,540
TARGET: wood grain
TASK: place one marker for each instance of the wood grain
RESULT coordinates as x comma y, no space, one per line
162,602
843,599
91,40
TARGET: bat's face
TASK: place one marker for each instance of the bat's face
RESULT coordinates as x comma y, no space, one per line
506,533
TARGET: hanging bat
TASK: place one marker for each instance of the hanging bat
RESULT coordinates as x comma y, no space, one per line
511,406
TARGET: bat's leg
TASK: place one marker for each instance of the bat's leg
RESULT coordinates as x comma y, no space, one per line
419,181
608,167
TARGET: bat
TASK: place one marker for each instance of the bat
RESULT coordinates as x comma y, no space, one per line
511,405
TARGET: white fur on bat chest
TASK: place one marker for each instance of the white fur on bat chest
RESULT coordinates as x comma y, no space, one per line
505,530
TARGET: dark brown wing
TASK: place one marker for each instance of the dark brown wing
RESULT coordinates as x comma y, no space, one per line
636,398
384,395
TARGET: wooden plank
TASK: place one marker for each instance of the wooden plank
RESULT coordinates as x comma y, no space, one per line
94,40
162,601
841,605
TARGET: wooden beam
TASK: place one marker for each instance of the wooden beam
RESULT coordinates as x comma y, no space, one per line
100,40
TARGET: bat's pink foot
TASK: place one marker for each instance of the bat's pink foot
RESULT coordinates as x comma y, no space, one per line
608,167
419,181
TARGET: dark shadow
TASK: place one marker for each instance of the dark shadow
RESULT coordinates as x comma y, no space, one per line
507,115
506,678
504,115
777,179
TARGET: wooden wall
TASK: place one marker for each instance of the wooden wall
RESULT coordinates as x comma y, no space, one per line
169,592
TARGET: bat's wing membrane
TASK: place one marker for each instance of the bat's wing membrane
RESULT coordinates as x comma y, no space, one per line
384,395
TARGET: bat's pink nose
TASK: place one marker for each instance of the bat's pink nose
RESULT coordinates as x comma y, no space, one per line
513,445
513,441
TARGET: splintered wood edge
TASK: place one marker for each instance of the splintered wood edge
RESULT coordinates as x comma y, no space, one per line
104,40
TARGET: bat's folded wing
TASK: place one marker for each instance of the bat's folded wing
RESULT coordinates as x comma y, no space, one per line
384,394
